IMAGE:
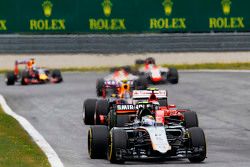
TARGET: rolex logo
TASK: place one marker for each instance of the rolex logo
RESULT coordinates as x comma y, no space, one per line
168,5
226,6
107,7
47,8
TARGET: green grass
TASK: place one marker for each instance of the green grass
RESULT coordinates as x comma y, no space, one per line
211,66
17,149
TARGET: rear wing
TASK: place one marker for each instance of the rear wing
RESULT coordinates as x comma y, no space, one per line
129,108
145,94
114,83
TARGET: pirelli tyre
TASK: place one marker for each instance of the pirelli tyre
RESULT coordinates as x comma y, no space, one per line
102,108
98,141
10,78
99,87
190,119
173,76
117,141
198,144
56,74
89,111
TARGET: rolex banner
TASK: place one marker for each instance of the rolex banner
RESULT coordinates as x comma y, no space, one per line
123,16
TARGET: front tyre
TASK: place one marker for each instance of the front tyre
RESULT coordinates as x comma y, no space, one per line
10,78
173,76
57,75
117,141
98,141
198,144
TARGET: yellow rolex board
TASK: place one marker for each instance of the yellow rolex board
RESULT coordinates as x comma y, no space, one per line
123,16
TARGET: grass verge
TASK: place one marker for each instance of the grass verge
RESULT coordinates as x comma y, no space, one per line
212,66
17,149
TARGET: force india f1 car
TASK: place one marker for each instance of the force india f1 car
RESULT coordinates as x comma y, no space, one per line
118,76
148,136
157,74
32,74
103,111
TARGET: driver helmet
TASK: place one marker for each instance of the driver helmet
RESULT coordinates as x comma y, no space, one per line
148,120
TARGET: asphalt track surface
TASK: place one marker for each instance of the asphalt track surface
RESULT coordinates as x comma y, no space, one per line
220,99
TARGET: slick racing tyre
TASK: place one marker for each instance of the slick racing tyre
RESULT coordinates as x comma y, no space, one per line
117,141
56,74
173,76
89,111
102,108
10,78
98,141
99,87
190,119
198,143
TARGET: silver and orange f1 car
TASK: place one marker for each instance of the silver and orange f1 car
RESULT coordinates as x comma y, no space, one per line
32,74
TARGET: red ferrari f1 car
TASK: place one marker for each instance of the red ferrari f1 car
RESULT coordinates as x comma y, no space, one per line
32,74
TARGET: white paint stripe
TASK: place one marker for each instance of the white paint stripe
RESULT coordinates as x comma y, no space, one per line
37,137
218,71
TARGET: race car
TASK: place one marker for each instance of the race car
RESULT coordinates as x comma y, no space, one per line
104,111
118,76
157,74
94,110
186,117
32,74
146,137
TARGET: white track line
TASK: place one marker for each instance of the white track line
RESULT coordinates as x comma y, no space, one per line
36,136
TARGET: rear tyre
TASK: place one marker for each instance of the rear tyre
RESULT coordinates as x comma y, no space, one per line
89,111
173,76
56,74
10,78
190,119
198,142
117,141
102,108
99,87
98,141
